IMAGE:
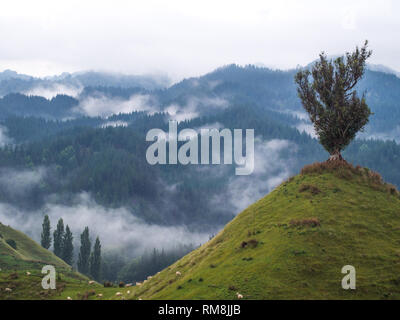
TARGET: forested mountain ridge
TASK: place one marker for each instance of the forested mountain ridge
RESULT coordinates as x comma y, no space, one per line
230,85
110,164
13,82
16,104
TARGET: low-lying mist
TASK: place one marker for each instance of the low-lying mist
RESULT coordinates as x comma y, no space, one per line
103,106
4,139
274,162
117,228
50,91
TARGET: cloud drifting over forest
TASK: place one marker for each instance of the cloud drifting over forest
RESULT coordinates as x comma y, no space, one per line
274,161
4,139
117,228
105,106
54,89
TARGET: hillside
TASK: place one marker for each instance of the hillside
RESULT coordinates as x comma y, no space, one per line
293,243
30,257
26,250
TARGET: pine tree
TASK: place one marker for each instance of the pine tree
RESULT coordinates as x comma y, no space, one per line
68,247
84,253
58,237
46,234
95,260
331,99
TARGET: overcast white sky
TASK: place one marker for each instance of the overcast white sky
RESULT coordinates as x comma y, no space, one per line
188,38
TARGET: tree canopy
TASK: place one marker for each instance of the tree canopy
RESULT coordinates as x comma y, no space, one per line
68,247
58,237
95,260
45,239
84,253
331,99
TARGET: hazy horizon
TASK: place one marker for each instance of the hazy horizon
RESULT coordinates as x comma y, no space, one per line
374,67
185,38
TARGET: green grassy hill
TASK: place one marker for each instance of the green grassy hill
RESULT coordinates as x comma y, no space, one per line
21,262
293,243
26,250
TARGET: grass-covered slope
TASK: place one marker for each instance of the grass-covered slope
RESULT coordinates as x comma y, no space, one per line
21,263
293,243
26,250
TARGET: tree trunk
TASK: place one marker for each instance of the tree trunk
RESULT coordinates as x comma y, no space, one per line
336,156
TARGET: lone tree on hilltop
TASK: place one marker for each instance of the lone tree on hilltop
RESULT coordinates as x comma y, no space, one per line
332,101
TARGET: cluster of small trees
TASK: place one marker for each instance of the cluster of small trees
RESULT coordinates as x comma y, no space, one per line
89,262
62,240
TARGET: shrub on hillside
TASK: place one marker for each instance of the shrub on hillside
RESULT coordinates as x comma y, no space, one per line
12,243
345,170
86,295
252,243
308,187
392,189
328,166
13,276
311,222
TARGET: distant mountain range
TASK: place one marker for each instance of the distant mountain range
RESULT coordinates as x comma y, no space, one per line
384,69
115,79
13,82
104,94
